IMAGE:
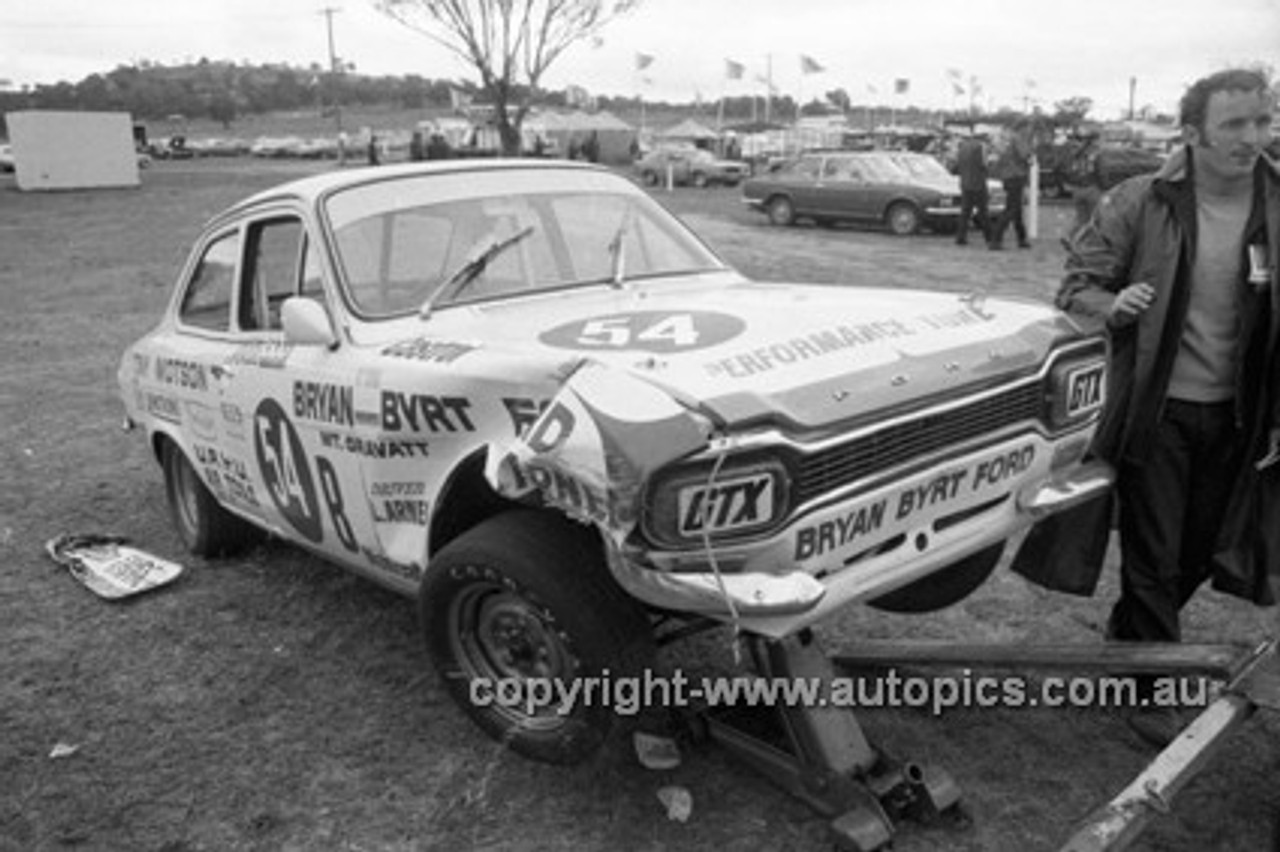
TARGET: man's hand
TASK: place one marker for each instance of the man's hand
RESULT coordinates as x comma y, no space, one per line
1130,303
1273,450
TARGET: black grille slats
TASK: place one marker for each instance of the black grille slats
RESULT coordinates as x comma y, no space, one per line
869,455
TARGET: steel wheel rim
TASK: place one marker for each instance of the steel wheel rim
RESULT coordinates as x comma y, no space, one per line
496,634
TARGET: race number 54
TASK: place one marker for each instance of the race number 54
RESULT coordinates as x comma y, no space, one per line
675,330
283,465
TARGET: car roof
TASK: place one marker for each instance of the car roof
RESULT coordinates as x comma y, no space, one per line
312,188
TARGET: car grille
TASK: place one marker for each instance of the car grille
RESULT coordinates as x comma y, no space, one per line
868,455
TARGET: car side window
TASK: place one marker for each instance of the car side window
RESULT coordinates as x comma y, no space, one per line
807,169
207,301
312,285
274,252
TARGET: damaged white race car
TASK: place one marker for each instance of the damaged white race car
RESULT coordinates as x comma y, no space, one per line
527,396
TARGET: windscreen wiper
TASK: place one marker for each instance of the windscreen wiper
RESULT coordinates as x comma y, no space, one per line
616,249
471,269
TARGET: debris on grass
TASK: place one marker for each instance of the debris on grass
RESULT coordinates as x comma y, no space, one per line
108,566
678,801
655,751
61,750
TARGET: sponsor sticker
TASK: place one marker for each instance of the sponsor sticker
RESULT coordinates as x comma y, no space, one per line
1085,389
729,505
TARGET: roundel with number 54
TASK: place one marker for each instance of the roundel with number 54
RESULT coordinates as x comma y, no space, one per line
646,331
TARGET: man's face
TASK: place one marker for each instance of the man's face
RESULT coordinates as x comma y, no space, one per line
1237,126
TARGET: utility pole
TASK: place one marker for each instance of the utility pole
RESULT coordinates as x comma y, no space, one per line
335,70
1133,85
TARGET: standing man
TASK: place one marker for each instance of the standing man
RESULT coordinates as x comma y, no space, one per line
971,166
1013,169
1180,267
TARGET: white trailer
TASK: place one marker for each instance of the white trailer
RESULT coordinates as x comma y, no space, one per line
72,150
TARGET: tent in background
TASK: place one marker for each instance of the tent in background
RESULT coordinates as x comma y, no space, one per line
690,131
570,130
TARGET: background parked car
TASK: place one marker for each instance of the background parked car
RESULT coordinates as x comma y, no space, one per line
690,166
904,190
6,158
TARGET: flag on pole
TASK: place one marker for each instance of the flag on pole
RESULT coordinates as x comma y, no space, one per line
957,88
901,85
809,65
643,61
458,100
734,70
954,73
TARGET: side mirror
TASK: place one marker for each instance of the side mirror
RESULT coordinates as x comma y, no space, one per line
306,323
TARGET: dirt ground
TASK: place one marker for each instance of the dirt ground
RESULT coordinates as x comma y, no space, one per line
272,702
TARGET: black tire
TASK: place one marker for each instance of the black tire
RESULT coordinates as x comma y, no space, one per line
942,588
524,595
781,211
649,177
205,527
903,218
700,180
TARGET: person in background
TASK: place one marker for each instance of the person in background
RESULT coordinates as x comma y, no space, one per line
1012,169
373,150
1083,178
1180,268
438,147
971,167
591,148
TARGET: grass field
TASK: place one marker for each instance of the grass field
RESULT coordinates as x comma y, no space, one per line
272,702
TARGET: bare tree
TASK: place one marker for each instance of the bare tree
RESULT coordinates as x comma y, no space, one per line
511,43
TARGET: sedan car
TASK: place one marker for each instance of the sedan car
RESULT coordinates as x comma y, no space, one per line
903,190
526,396
689,166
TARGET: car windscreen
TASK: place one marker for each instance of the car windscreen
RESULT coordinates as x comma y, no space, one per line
495,234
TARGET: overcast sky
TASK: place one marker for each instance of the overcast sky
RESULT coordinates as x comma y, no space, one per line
1034,51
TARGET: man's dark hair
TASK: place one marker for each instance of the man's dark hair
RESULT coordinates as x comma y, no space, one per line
1195,103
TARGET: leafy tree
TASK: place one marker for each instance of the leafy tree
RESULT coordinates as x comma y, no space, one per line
841,99
1072,110
511,43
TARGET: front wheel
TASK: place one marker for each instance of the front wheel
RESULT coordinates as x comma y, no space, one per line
700,180
518,612
903,218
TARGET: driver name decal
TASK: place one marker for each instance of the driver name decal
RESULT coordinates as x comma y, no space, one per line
659,332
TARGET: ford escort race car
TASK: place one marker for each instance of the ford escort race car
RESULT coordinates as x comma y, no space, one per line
527,396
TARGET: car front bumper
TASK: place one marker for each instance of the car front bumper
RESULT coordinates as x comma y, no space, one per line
868,545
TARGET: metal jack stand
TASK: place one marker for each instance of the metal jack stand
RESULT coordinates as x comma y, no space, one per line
820,755
1252,680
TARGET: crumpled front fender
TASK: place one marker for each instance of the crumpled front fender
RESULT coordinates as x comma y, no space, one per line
591,451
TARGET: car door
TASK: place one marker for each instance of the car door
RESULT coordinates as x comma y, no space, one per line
877,184
804,180
296,403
